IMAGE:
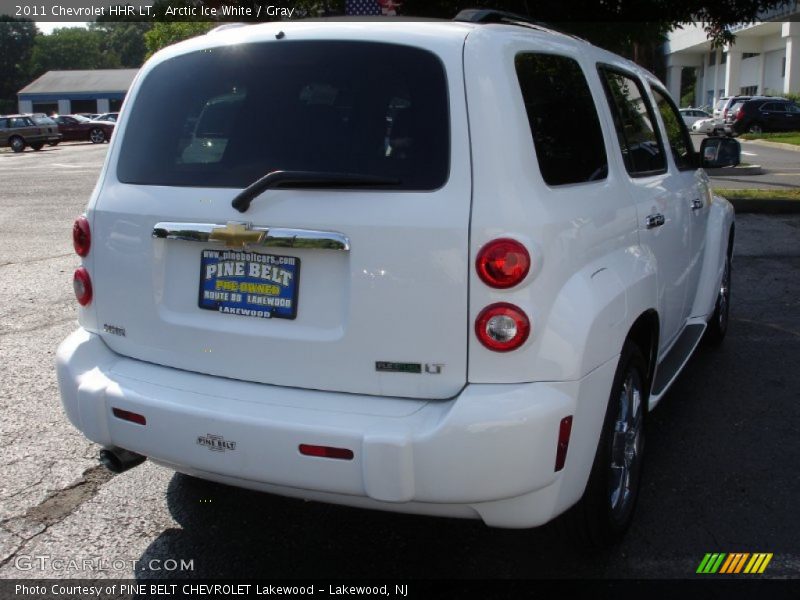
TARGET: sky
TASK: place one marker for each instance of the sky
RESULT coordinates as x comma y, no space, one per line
48,26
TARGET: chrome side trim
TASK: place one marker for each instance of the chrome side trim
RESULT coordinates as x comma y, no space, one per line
274,237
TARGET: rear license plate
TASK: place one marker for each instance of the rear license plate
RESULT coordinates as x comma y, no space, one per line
249,284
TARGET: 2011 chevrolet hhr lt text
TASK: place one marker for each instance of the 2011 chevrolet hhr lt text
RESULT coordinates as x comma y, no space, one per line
432,267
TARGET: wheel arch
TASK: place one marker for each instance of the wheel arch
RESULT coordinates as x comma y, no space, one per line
645,334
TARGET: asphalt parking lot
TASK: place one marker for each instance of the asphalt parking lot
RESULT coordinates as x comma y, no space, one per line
722,447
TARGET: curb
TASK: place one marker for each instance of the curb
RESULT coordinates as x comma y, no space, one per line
779,145
767,207
728,171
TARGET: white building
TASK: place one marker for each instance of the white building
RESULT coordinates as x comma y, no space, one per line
764,59
67,92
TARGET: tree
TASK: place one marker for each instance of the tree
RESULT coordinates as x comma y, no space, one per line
125,39
71,48
165,34
618,24
16,44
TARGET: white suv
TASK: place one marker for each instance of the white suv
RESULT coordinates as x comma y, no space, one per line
430,267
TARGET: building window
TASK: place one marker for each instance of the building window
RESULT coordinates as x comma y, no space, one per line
746,55
724,58
712,57
783,67
750,90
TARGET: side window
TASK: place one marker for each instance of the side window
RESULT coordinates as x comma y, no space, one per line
634,122
3,123
679,141
563,119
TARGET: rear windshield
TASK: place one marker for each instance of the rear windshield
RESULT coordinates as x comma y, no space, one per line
224,117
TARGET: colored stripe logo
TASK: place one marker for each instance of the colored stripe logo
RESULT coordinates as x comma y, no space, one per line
734,563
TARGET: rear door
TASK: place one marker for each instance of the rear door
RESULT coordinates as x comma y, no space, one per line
660,198
358,287
691,191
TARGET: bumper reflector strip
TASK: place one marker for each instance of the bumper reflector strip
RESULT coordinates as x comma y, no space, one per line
326,452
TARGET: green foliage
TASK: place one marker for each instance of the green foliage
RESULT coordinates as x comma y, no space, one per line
165,34
785,137
16,44
124,39
71,49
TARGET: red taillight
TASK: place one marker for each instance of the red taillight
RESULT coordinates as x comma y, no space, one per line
502,327
503,263
81,236
326,452
127,415
724,114
739,115
82,285
564,431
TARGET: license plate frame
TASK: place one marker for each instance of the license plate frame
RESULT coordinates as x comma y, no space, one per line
250,284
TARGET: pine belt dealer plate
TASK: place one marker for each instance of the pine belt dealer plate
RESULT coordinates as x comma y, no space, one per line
250,284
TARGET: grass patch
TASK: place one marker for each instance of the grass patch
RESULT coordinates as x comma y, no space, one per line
758,194
788,137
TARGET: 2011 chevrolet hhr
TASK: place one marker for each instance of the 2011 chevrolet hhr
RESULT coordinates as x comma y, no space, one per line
432,267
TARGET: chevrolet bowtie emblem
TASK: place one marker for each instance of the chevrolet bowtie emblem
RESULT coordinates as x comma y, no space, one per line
236,235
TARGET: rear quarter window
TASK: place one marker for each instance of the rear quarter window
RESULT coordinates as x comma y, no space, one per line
224,117
563,119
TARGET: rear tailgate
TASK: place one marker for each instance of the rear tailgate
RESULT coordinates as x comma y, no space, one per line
356,290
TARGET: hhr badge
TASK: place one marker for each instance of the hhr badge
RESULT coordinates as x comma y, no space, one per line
216,443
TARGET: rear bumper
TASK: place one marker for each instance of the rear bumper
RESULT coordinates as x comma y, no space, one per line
488,453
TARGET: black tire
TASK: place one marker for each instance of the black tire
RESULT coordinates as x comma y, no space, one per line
54,143
718,323
604,513
37,146
97,136
755,128
17,143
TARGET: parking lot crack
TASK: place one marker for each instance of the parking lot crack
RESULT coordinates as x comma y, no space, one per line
37,327
33,260
55,508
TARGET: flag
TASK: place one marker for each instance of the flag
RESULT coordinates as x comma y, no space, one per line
362,7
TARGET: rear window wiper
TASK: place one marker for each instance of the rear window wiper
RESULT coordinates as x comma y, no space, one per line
306,180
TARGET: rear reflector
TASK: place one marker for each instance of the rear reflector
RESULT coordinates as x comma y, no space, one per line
502,327
126,415
564,431
326,452
82,286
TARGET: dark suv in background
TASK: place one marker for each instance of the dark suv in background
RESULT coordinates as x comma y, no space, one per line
764,114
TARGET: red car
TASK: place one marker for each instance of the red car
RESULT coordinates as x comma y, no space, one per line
78,128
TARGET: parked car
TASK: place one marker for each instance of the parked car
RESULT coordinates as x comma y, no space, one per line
19,131
711,126
411,284
764,114
111,117
692,115
77,128
49,128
